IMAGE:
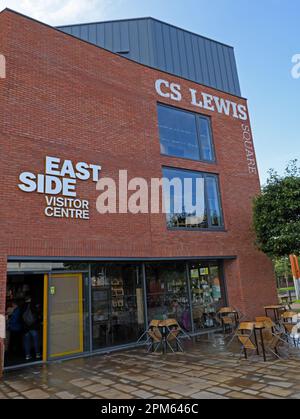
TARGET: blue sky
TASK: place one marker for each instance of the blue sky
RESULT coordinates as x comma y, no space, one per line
265,34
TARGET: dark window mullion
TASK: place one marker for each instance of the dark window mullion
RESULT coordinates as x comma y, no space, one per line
198,131
212,143
209,224
220,200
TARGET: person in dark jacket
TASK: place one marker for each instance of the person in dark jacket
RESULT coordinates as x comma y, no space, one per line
15,327
31,327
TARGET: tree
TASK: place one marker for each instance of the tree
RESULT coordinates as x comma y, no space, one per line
277,213
283,272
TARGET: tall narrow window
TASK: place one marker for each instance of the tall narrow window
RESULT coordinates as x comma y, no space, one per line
205,139
185,134
214,201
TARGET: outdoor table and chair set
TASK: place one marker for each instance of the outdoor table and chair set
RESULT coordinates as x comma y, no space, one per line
164,335
265,335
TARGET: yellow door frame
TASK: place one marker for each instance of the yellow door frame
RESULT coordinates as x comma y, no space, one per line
46,321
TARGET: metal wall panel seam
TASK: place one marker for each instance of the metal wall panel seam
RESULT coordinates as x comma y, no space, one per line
224,73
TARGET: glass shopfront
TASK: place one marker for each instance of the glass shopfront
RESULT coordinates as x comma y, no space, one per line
117,305
64,309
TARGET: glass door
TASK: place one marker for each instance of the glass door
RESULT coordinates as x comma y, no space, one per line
65,319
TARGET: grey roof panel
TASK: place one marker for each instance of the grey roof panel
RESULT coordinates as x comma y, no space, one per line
167,48
143,35
175,52
124,35
100,35
134,42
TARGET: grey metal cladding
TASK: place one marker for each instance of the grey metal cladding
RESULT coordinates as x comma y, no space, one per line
167,48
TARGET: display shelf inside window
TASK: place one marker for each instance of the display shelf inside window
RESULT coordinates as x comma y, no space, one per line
100,298
117,291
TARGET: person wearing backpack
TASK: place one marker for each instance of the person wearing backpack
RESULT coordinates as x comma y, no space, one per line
31,325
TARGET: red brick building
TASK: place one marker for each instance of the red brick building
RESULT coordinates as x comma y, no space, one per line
94,283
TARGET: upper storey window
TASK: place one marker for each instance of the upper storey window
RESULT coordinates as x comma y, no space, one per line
185,134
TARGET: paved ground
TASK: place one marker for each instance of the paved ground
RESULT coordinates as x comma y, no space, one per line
207,370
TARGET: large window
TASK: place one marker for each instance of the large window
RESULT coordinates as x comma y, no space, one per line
192,199
167,293
117,305
185,134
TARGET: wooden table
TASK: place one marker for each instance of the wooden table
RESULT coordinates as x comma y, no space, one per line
276,311
259,326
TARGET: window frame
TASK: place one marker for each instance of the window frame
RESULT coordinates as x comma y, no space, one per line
210,227
197,117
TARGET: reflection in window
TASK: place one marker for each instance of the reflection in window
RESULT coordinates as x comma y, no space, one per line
184,134
191,199
167,295
178,133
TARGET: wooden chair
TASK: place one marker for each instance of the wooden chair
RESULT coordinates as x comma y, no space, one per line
228,318
273,337
272,342
174,331
271,327
287,317
288,325
155,336
244,335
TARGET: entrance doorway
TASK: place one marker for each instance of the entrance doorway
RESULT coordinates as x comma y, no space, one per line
24,319
44,317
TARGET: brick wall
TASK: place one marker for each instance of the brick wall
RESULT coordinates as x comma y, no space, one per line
70,99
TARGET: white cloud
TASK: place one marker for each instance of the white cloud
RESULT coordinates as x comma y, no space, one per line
61,12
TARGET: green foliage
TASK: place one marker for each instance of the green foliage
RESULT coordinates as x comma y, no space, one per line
283,267
277,213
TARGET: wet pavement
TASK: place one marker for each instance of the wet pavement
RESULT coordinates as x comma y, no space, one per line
206,370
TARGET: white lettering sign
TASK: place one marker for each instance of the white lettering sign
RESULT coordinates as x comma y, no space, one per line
169,90
60,178
202,100
249,148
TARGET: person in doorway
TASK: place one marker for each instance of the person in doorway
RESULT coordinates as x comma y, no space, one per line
14,327
31,325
